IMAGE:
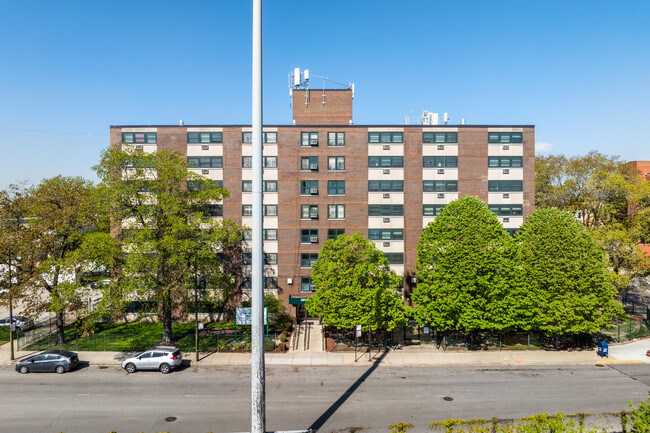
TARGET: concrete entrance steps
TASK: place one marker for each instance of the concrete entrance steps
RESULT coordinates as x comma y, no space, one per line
307,337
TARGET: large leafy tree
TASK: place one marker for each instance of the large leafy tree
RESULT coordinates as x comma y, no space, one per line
169,243
465,271
355,286
565,275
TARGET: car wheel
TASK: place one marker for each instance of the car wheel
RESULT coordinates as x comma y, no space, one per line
59,369
130,368
164,368
24,369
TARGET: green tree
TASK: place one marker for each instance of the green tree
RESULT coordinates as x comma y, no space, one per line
161,216
565,275
355,286
465,271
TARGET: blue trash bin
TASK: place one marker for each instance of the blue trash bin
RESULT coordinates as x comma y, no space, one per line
603,349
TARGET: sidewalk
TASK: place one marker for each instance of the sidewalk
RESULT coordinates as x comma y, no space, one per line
409,356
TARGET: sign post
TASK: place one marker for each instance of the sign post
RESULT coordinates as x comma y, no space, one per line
356,340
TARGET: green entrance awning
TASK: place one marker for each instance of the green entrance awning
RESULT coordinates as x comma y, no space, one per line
297,301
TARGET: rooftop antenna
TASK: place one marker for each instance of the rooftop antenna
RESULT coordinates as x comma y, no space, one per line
445,118
299,81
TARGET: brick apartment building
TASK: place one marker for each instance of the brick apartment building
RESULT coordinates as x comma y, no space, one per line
325,175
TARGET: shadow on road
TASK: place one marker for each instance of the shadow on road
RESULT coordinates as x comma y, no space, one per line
342,399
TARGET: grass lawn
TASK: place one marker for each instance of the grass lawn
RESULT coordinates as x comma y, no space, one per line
4,334
139,336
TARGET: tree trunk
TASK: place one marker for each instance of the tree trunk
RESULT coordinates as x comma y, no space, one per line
167,319
60,327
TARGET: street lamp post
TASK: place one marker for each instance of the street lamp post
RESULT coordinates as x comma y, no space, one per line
12,327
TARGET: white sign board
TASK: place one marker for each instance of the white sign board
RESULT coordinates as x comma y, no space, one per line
244,316
358,330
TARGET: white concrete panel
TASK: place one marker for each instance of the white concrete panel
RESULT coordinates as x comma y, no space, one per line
270,150
496,149
377,149
246,174
213,173
432,174
395,246
497,174
374,129
270,198
432,198
214,149
513,222
426,220
271,247
398,269
497,198
139,129
431,149
205,129
269,173
438,129
246,150
378,173
394,222
393,198
505,129
269,222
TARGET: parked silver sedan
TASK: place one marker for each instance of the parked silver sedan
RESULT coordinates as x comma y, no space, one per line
163,358
22,323
58,361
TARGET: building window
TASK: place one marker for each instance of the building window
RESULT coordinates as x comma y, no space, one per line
440,137
213,210
439,161
270,210
271,162
306,285
334,233
198,186
205,161
270,234
336,187
386,234
309,236
336,138
247,186
309,187
336,163
308,259
309,211
269,259
247,234
247,210
385,185
505,185
385,137
386,210
309,138
204,137
336,211
432,209
511,232
309,163
269,137
507,210
505,137
386,161
269,283
395,258
140,137
270,186
440,186
505,161
247,161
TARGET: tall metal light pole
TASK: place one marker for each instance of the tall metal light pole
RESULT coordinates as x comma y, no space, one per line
258,398
12,327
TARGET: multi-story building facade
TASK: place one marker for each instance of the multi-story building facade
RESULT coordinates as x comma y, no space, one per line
324,175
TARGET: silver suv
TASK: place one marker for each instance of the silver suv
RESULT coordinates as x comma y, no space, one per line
163,358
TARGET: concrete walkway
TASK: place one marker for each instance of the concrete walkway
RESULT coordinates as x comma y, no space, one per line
411,355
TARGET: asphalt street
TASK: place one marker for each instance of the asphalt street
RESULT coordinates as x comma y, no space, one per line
94,399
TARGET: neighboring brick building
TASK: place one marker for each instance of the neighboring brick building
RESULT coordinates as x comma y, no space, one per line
324,176
643,167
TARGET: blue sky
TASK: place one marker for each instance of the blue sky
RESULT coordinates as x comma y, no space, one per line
578,70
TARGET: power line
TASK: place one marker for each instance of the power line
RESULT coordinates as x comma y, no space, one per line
53,132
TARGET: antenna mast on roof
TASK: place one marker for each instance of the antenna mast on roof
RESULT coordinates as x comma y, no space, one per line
300,81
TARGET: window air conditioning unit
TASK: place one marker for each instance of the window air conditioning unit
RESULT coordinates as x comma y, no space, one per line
205,147
205,171
506,147
313,166
138,146
313,142
386,147
506,171
387,244
289,281
312,287
441,195
313,239
506,195
386,195
441,147
387,171
386,220
313,216
313,191
441,171
506,220
414,280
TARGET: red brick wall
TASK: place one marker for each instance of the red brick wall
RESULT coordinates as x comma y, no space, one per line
337,109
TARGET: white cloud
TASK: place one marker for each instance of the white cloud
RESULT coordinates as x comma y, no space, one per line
542,147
